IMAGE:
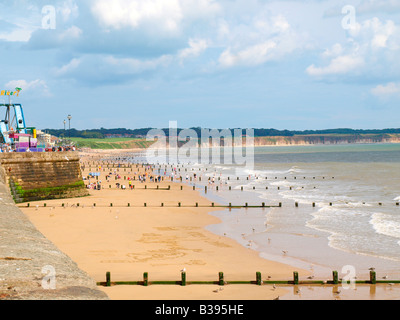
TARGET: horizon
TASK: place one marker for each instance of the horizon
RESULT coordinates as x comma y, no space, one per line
254,64
228,128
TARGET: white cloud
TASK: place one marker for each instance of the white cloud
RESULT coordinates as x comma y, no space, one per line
262,39
374,33
159,17
370,47
250,56
19,34
196,47
339,65
35,85
389,89
65,69
132,13
71,33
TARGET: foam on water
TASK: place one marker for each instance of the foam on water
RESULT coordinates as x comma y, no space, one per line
386,224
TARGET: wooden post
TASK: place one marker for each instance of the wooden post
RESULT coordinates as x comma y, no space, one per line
372,277
183,275
295,277
108,279
145,279
258,278
221,281
335,277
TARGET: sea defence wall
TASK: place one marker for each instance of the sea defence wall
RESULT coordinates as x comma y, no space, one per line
36,176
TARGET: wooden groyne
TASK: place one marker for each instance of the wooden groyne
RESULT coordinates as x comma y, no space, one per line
256,281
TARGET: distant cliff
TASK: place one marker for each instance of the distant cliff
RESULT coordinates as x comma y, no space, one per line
326,139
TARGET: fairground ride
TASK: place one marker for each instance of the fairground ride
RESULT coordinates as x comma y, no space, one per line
14,134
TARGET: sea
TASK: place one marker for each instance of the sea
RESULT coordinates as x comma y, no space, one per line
327,207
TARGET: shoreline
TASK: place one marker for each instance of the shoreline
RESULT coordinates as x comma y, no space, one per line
164,264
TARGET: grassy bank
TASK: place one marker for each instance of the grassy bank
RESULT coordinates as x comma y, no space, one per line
111,143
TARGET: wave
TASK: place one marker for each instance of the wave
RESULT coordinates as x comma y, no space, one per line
282,183
384,224
294,169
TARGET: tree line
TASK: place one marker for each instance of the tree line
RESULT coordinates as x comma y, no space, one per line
103,133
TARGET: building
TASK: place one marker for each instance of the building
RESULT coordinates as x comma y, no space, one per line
44,139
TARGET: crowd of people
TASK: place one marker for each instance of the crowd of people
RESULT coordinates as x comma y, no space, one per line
140,177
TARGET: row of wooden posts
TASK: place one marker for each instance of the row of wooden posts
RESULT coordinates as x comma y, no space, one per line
205,187
179,204
219,178
181,179
213,205
258,280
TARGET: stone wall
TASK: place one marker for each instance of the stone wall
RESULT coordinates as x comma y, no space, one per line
40,176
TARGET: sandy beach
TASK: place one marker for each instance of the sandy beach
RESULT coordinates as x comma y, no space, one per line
113,231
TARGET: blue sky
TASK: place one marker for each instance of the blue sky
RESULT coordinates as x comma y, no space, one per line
314,64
